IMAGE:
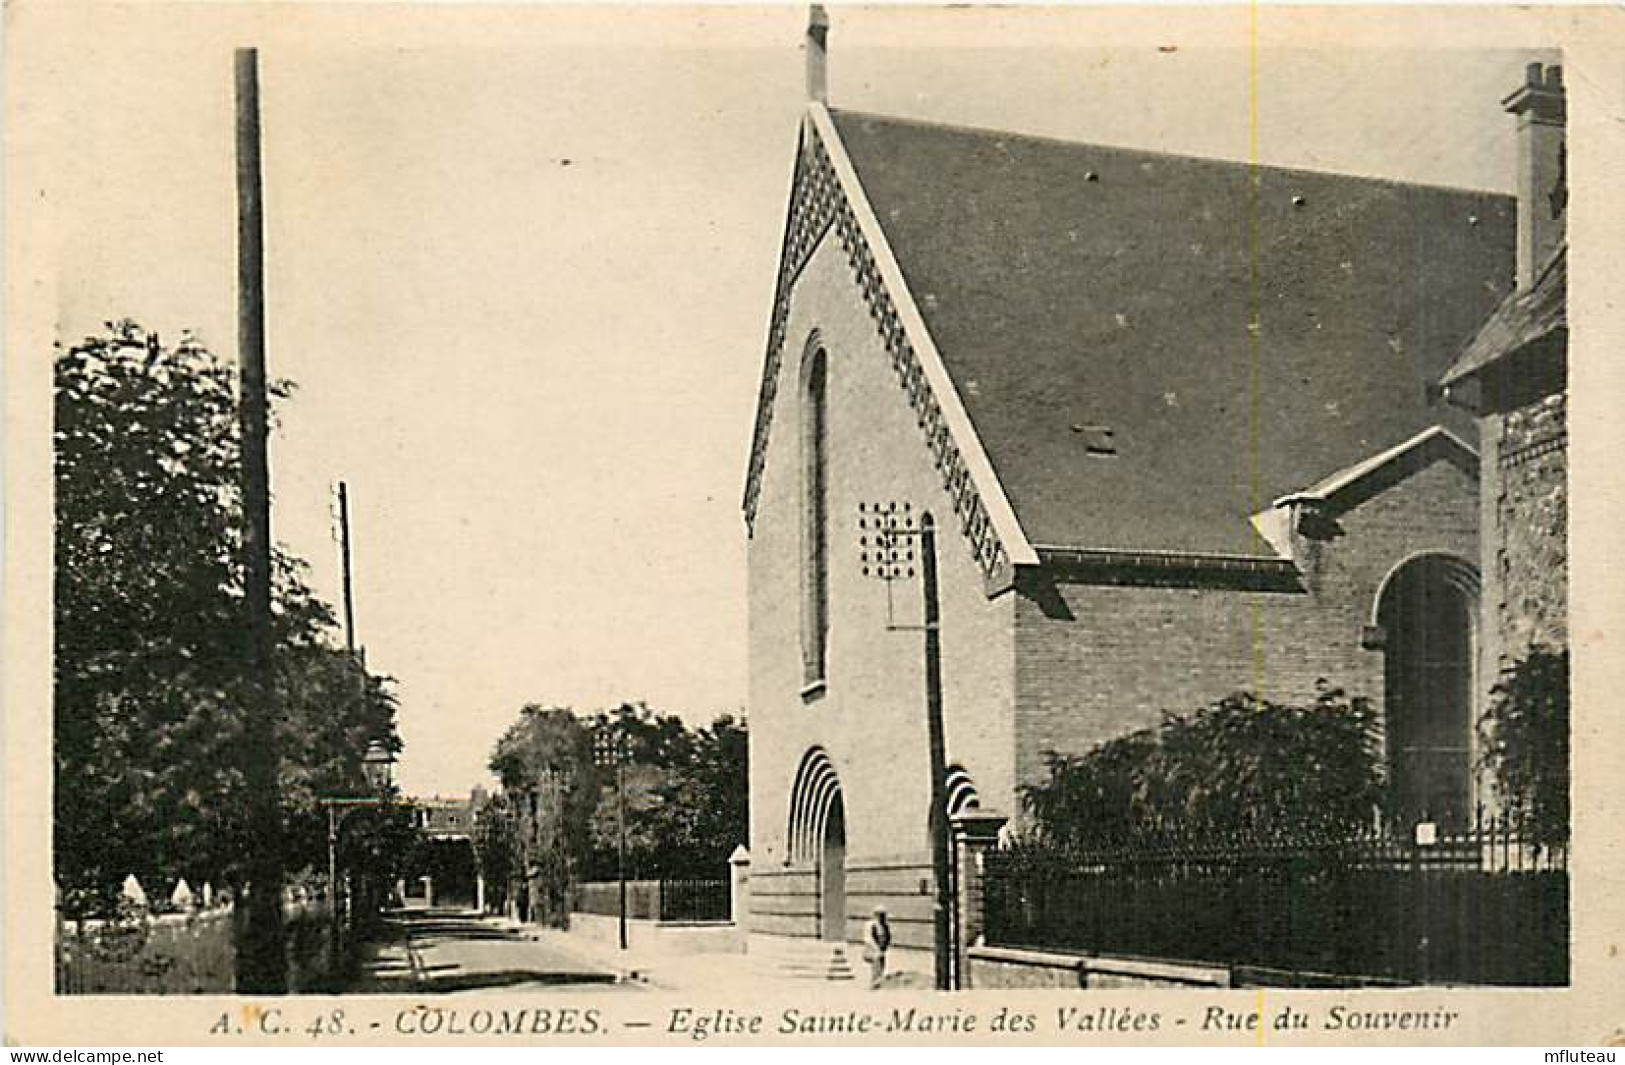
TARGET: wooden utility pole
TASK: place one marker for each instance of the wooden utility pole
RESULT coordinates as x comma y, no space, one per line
886,537
262,962
942,910
610,748
620,849
344,547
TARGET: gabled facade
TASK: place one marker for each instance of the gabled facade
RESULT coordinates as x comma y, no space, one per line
1171,417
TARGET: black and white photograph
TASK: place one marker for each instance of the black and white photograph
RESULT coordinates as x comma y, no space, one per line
671,516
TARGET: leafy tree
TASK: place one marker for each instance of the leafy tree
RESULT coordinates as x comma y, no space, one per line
146,461
150,633
1098,795
1524,740
685,792
704,809
494,843
1243,765
655,746
551,789
686,797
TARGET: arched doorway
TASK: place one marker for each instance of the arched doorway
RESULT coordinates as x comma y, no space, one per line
1428,610
817,837
832,876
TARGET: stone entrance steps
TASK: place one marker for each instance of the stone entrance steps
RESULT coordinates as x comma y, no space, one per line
801,958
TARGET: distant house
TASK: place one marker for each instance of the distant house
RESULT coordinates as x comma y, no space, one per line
1177,422
446,818
444,869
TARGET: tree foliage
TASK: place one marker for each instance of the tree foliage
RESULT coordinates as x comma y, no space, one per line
1524,742
703,808
550,791
685,794
1242,765
494,842
151,637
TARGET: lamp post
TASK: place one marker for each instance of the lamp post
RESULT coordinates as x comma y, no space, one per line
888,536
377,766
609,749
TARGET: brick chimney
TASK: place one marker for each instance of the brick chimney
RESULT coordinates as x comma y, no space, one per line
1542,169
817,53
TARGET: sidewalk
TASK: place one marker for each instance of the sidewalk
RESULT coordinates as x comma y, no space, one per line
658,970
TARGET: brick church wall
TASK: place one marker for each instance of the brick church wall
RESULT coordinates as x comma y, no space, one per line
1096,661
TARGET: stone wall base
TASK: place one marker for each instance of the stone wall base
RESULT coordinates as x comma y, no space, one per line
991,967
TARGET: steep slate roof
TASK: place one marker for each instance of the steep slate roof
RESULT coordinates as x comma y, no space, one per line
1521,320
1061,300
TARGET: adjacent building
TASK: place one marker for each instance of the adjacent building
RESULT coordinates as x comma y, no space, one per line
1514,376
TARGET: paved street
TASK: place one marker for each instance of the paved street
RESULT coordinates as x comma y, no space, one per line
444,951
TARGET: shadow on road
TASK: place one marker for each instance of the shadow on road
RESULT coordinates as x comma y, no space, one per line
445,951
433,928
490,981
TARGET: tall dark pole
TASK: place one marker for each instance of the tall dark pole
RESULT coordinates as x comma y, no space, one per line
938,821
609,750
333,882
344,548
620,796
261,964
358,656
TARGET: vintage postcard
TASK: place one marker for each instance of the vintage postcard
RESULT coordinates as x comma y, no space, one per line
807,525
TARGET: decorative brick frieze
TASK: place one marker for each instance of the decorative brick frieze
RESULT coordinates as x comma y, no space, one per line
1533,449
819,205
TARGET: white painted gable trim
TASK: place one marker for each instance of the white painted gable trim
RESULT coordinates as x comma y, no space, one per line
1337,482
1275,524
1000,513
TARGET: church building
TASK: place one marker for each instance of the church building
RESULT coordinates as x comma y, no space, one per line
1177,425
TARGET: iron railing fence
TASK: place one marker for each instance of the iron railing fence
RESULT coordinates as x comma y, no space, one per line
695,900
656,900
1479,906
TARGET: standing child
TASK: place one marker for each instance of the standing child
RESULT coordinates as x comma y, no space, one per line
876,940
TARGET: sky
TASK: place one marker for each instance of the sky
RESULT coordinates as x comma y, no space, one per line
522,281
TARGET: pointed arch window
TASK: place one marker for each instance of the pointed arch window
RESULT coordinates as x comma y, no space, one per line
814,516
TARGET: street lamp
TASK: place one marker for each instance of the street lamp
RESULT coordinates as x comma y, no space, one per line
609,749
377,766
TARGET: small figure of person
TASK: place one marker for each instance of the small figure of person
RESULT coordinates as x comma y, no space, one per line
876,941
